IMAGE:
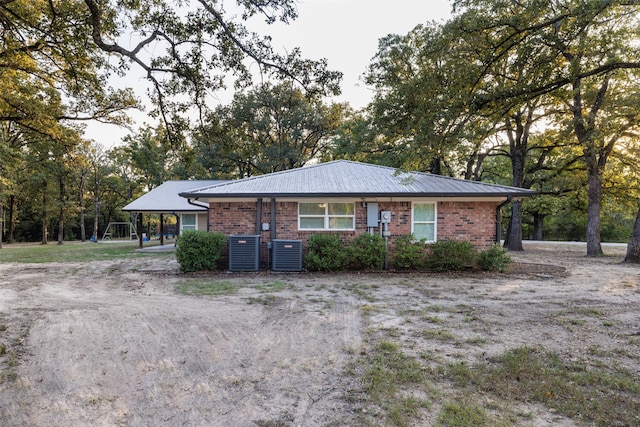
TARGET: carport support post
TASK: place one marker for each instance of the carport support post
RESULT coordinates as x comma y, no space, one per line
161,229
140,230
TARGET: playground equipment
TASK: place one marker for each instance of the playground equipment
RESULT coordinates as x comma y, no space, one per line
120,231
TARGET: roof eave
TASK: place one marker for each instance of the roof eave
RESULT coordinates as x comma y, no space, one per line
354,195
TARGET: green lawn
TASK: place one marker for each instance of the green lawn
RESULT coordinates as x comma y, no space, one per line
73,251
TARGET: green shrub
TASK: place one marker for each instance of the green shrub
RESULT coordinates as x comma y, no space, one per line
199,250
494,259
367,252
409,253
326,253
452,255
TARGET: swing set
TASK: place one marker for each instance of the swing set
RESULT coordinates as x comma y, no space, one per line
120,231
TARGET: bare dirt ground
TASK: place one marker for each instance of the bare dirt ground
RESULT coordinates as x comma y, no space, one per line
116,343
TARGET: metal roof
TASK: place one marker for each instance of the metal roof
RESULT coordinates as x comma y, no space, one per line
165,198
343,178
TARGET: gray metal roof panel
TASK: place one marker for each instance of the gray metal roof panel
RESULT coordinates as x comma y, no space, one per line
342,178
166,198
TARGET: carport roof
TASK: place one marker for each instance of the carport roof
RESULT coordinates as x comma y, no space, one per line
165,198
343,178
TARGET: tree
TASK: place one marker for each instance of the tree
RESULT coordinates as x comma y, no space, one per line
420,110
99,169
150,156
12,160
633,248
588,56
269,129
498,66
185,48
81,172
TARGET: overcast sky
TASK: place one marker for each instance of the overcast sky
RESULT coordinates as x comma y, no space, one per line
346,32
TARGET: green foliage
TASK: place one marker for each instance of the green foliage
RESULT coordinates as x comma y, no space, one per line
452,255
409,253
367,252
326,253
199,250
269,128
494,259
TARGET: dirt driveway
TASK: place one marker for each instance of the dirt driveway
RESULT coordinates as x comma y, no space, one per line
117,343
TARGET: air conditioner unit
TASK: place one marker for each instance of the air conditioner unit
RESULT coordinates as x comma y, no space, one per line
287,255
244,253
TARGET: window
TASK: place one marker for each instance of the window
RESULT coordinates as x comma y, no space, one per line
424,221
188,222
326,216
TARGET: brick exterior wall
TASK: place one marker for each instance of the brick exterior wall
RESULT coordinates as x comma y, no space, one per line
472,221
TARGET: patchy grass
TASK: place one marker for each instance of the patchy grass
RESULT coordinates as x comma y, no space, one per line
461,413
388,371
267,300
202,287
363,291
272,287
74,252
439,334
199,287
597,396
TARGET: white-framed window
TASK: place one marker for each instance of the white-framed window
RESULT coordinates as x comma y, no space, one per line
189,222
326,216
423,221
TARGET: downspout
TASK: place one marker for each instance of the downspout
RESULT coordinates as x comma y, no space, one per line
259,216
258,229
272,230
200,206
499,218
272,227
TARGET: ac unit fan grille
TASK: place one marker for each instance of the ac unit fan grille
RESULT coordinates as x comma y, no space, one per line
287,255
244,253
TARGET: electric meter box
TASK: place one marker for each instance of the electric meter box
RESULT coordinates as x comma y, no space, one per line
385,217
372,214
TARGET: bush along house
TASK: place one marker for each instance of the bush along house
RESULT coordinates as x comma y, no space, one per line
269,218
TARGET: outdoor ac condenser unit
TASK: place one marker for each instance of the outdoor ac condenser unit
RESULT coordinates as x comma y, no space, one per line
287,255
244,253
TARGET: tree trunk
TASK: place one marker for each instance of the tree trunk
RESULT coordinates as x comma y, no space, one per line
594,248
1,223
45,231
61,195
96,216
96,209
633,248
83,231
513,241
538,225
12,219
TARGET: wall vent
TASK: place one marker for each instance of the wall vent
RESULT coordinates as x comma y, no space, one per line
287,255
244,252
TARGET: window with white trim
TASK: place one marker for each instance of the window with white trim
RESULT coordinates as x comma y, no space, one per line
423,224
188,222
326,216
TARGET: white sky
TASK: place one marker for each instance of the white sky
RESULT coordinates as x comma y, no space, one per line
346,32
